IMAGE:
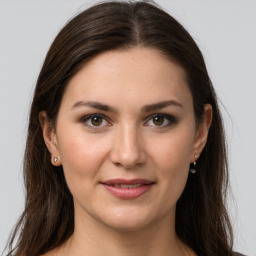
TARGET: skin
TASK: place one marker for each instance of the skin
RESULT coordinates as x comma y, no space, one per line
127,144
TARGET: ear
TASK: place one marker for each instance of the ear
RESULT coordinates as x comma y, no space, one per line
202,133
50,138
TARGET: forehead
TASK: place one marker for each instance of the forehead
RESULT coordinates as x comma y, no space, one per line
135,76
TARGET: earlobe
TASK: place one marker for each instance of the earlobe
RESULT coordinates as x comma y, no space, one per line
50,139
202,132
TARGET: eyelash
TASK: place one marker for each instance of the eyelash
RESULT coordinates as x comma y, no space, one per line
85,119
167,118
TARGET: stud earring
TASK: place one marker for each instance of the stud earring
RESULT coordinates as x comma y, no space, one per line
55,159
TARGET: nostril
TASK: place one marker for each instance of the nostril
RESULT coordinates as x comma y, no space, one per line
128,161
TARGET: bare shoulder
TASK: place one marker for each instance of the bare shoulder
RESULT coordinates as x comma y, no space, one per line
50,253
60,250
237,254
54,252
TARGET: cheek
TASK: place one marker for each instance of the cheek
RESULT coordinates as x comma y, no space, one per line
174,150
81,154
172,158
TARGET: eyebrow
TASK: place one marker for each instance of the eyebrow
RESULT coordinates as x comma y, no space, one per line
146,108
160,105
93,104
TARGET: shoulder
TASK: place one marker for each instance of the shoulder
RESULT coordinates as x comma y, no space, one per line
53,252
237,254
59,251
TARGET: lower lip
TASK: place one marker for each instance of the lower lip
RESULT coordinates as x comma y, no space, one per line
128,193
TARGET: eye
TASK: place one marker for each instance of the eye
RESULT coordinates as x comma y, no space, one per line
95,121
158,120
161,120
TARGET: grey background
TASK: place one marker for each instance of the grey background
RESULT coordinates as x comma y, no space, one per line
225,30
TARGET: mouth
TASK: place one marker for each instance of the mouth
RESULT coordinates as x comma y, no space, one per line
127,186
127,189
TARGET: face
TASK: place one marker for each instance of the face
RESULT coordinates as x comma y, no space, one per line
125,136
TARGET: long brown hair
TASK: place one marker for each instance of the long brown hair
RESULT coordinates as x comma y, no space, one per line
48,219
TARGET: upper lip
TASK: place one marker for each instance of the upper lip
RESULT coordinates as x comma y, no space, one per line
128,182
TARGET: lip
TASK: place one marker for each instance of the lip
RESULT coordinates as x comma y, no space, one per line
127,193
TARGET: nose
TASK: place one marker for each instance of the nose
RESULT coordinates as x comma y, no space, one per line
128,150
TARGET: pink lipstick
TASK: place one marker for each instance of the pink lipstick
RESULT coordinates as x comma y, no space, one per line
127,189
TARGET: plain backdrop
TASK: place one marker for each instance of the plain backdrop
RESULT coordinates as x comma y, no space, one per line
225,30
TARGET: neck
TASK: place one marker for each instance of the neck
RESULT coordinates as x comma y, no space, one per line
92,237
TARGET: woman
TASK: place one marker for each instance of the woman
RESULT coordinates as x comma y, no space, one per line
125,143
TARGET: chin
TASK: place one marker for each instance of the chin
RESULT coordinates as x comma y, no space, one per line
127,226
128,219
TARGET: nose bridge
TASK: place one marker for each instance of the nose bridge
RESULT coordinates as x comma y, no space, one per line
128,148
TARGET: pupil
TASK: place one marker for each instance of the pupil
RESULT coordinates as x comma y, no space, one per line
96,120
158,120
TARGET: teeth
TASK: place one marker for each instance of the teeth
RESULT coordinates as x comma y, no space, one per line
126,185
